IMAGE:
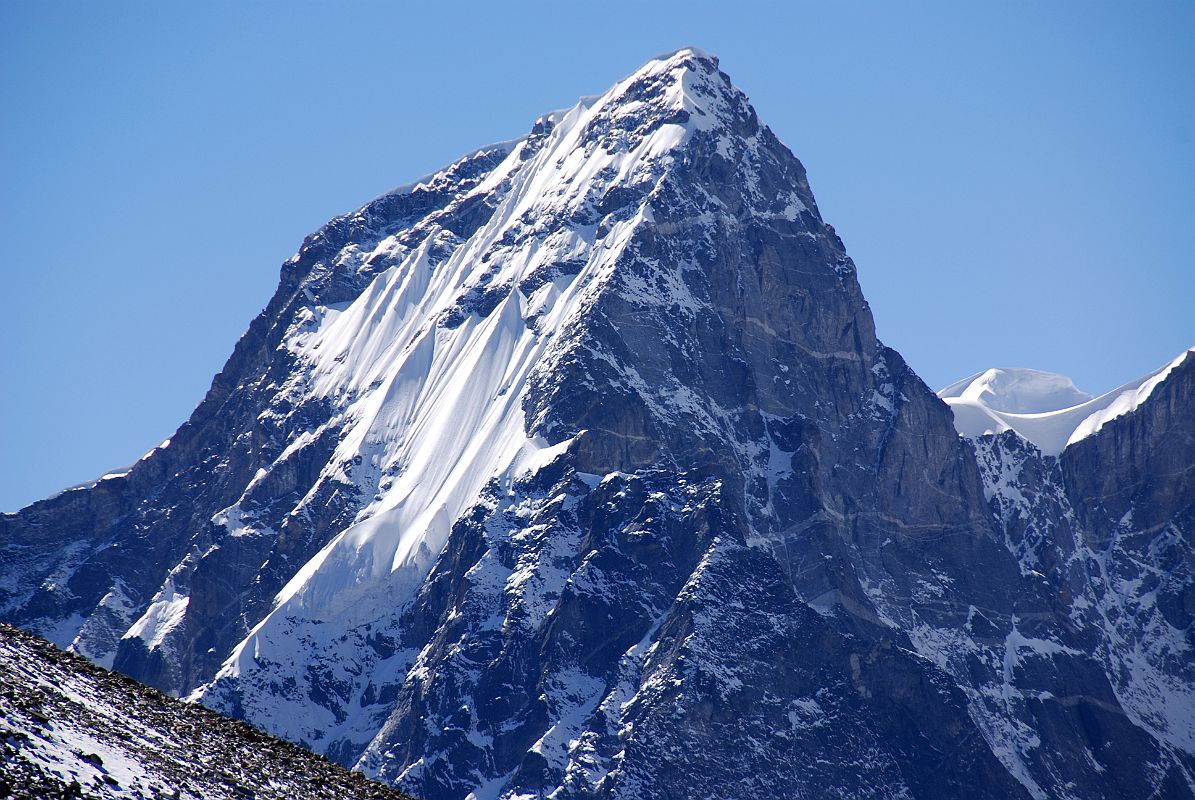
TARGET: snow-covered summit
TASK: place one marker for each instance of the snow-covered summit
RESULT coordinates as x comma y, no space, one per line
1018,391
680,69
1043,407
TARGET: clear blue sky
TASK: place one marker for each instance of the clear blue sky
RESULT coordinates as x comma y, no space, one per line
1015,182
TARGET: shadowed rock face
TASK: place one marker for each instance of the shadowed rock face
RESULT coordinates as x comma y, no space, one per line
756,560
1109,526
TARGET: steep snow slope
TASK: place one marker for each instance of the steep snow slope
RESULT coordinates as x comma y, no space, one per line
70,729
1043,407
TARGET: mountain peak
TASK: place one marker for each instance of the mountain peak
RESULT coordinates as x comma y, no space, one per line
480,295
678,62
1019,391
685,62
686,52
684,87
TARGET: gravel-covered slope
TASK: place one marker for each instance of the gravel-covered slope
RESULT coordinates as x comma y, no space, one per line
71,729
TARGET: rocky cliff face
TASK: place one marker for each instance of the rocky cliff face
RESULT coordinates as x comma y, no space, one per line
577,469
1108,524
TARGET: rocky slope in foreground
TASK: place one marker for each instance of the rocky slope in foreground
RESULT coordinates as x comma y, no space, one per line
71,729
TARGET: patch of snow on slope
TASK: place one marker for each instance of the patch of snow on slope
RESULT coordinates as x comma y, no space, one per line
164,613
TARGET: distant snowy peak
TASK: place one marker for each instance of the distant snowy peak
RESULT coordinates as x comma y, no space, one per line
1018,391
1043,407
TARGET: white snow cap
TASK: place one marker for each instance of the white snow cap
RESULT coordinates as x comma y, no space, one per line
1018,391
685,51
1043,407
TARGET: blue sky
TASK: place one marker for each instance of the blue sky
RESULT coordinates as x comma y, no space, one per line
1016,182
